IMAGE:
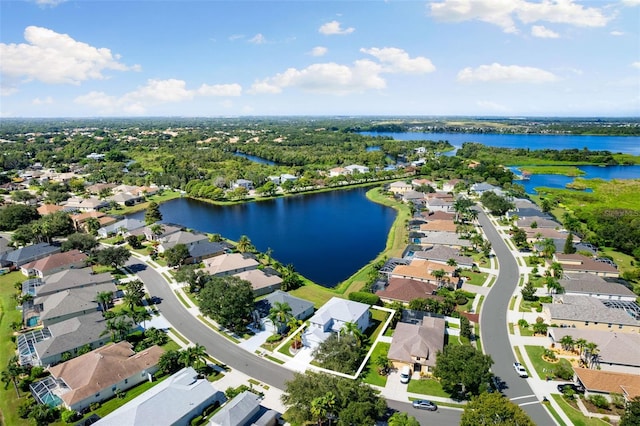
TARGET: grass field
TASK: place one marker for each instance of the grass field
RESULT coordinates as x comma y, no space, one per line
553,170
542,367
576,417
427,387
372,377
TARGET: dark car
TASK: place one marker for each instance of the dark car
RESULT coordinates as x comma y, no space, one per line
424,404
562,388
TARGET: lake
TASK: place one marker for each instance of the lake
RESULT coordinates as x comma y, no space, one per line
624,144
327,236
592,172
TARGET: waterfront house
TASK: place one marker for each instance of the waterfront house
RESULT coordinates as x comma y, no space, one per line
162,233
332,317
443,254
80,220
122,227
400,187
55,263
263,281
98,375
422,270
439,225
243,183
175,401
405,290
584,284
300,309
355,169
189,239
230,264
416,345
338,171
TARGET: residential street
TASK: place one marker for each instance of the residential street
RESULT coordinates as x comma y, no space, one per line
495,333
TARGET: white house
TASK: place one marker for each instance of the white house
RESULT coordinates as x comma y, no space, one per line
355,168
332,317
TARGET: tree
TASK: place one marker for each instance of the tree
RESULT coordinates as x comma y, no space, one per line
529,292
279,314
342,353
92,225
557,270
152,215
438,274
79,241
169,362
567,343
631,416
228,300
119,327
351,328
113,256
322,406
568,245
290,279
140,316
176,255
402,419
133,293
355,402
465,327
104,298
491,409
193,356
548,248
15,215
553,285
463,365
496,204
539,327
244,245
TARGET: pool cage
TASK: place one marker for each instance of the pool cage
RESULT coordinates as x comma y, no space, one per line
30,286
48,390
630,307
26,346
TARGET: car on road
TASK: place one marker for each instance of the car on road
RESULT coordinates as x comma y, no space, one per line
522,372
425,404
563,387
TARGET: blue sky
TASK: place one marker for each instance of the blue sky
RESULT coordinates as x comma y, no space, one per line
234,58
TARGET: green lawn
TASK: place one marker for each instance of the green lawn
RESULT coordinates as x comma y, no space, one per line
475,278
8,314
542,367
371,375
576,417
427,387
526,331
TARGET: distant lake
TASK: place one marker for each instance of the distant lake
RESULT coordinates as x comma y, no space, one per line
255,158
592,172
327,236
624,144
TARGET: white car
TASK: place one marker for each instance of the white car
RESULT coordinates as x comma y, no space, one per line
522,372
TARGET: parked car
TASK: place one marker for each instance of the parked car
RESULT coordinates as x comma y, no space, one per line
424,404
522,372
563,387
405,374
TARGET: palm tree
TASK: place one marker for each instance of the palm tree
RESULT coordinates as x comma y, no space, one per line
556,268
351,328
591,354
193,356
118,327
548,248
279,315
104,298
293,325
553,286
92,225
580,344
244,244
567,342
452,262
322,406
438,274
140,316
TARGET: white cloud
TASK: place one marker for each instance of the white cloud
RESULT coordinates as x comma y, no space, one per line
51,3
334,28
636,64
154,92
616,33
492,106
327,78
503,12
46,101
220,90
258,39
318,51
542,32
631,2
7,90
235,37
55,58
398,61
506,73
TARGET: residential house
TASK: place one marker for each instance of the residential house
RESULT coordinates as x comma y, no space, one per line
423,182
338,171
263,281
126,198
230,264
439,204
279,180
450,239
46,346
17,258
300,309
55,263
616,351
584,312
537,222
175,401
584,284
416,345
405,290
400,187
422,270
481,188
243,183
80,220
121,227
99,374
206,249
437,215
355,168
449,186
580,263
67,304
332,317
439,225
65,280
443,254
5,246
414,197
97,188
244,410
160,234
84,204
535,235
189,239
605,383
46,209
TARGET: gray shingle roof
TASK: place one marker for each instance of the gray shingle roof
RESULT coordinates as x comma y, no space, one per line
593,284
588,309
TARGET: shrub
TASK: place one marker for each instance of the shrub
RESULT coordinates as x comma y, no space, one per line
599,401
617,400
69,416
362,297
563,371
196,421
461,299
94,406
522,323
273,338
211,408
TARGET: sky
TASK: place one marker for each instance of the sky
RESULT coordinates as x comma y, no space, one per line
509,58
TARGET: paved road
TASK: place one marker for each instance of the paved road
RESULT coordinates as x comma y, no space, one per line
235,357
494,329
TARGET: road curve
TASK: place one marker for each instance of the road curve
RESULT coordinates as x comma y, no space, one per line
494,330
235,357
